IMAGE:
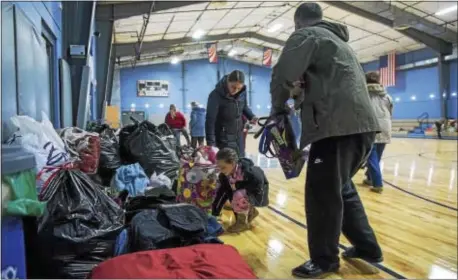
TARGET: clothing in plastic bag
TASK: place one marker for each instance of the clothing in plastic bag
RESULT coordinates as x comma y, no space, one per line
84,146
79,228
23,200
110,160
43,142
131,178
157,181
143,143
167,135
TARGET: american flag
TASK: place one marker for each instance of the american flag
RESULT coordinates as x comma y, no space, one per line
212,52
388,70
267,57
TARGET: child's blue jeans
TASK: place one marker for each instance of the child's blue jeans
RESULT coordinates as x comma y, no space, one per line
373,165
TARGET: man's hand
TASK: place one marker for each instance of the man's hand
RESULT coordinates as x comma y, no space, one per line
254,120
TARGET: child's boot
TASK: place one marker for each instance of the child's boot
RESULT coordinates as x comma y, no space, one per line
241,223
252,214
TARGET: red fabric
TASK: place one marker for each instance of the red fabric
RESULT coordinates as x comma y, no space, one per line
204,261
178,122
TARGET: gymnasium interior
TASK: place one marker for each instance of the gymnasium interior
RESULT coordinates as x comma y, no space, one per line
81,64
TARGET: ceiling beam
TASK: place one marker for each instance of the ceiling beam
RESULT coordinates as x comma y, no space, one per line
129,9
435,43
125,49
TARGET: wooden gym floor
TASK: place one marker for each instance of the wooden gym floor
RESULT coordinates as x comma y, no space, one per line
415,218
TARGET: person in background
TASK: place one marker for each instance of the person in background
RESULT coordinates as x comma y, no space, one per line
383,106
177,122
225,107
197,125
339,122
439,124
244,185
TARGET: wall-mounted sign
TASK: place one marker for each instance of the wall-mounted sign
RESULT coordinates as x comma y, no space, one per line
153,88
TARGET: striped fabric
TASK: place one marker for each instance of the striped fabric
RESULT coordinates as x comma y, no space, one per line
212,52
267,57
388,70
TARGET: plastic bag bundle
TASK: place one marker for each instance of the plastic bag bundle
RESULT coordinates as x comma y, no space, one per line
84,146
109,149
80,226
159,181
40,139
145,144
110,159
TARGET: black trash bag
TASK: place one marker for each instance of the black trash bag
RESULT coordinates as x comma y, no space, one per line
79,227
143,143
167,134
110,159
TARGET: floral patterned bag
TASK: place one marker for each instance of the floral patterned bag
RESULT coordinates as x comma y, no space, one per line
197,184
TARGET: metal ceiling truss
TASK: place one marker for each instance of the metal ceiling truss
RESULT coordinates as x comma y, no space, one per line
200,49
136,8
197,56
138,45
415,27
124,49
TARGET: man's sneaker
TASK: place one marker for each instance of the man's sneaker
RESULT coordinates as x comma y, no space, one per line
352,253
312,270
377,189
367,182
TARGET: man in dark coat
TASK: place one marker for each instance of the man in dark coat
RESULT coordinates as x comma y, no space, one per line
340,123
225,107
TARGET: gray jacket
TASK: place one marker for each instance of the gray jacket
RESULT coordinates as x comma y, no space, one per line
383,106
336,101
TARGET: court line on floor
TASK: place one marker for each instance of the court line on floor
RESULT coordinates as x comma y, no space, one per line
304,226
420,197
422,155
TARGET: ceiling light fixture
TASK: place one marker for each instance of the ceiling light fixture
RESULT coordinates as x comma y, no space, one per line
275,28
431,96
175,60
454,94
398,99
198,34
232,52
446,10
413,97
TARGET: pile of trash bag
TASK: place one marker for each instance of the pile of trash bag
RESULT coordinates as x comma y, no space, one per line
155,152
79,228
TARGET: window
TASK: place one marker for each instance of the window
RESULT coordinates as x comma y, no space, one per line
49,42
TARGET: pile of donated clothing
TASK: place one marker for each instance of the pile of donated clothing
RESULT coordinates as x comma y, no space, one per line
109,209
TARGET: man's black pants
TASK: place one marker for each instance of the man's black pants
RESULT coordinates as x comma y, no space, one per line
332,202
197,140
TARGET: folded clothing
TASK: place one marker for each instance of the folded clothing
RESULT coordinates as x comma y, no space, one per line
204,261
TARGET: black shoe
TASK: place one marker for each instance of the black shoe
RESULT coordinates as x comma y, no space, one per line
377,189
351,253
311,270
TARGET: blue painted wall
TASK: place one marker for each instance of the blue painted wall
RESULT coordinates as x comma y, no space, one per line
157,105
200,78
422,84
25,89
